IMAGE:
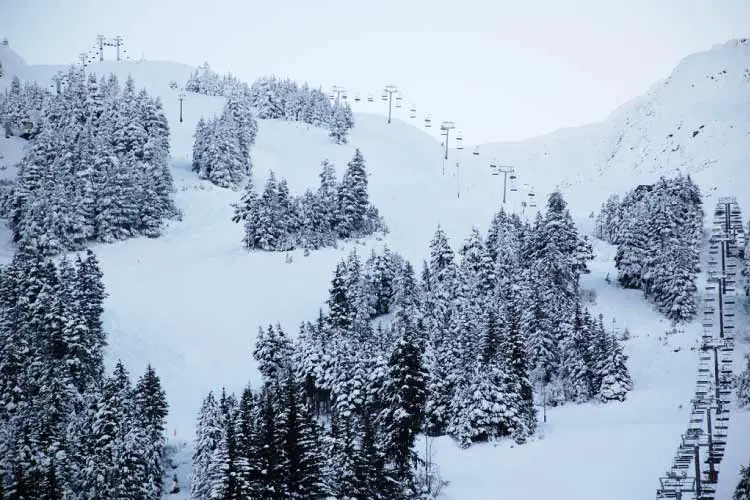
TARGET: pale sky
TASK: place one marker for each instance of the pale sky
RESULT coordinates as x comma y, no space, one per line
501,70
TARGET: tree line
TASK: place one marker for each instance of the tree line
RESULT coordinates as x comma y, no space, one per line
465,350
96,171
285,99
658,230
206,81
276,220
275,98
67,431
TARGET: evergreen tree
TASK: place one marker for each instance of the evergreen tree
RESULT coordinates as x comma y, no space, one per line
150,413
616,381
339,305
404,396
338,125
298,434
743,385
208,436
481,406
742,492
247,472
353,199
514,359
270,458
273,352
246,211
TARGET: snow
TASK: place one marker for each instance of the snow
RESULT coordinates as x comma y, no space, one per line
191,301
11,152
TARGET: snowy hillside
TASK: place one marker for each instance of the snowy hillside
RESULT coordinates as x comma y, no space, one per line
697,121
190,302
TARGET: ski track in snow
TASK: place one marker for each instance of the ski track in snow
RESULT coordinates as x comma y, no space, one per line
191,301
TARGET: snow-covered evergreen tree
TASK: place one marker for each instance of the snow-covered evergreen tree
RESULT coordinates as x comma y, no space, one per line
150,412
208,437
742,492
353,198
273,352
404,396
338,126
743,385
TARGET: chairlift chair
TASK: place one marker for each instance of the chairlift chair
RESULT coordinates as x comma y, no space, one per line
493,168
370,98
343,96
384,96
476,151
459,143
357,98
427,122
413,111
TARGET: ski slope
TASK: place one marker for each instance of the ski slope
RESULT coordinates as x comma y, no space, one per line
191,301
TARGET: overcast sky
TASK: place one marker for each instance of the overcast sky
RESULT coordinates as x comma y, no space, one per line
501,70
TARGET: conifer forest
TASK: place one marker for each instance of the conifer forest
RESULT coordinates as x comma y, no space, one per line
470,343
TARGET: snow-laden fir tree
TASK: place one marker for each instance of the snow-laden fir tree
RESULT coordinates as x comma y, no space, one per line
615,377
743,385
338,126
273,352
742,492
208,437
150,412
353,199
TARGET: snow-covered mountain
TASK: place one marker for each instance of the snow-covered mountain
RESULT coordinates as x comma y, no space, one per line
190,302
696,121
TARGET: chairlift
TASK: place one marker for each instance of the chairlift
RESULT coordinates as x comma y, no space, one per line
459,143
532,201
476,151
398,96
513,186
343,96
493,168
398,103
427,122
384,96
370,98
357,98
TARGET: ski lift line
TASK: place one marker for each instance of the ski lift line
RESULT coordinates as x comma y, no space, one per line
713,386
